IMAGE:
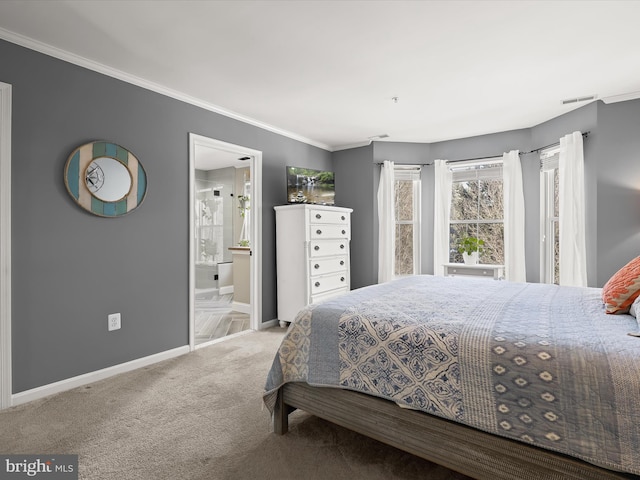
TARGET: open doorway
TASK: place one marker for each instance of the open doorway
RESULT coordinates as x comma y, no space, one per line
225,235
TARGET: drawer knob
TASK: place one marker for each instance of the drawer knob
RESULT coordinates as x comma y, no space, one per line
341,262
342,279
316,248
343,217
318,216
344,232
342,245
316,266
318,231
317,284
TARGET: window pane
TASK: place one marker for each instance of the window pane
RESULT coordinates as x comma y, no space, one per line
456,232
404,200
404,249
556,191
490,200
493,236
556,252
464,200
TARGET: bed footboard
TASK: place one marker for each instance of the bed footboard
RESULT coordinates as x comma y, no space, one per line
458,447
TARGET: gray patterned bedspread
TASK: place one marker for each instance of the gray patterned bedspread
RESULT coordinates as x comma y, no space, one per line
538,363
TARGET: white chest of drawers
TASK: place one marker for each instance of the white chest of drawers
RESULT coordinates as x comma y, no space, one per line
312,255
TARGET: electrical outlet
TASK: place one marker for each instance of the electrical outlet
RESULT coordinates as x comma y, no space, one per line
114,321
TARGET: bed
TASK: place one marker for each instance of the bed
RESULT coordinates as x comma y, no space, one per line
489,378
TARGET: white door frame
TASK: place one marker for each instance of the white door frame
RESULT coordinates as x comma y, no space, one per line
255,238
5,245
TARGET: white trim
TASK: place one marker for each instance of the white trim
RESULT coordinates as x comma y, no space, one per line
91,377
226,290
623,97
190,240
241,307
5,245
141,82
269,324
222,339
255,239
351,145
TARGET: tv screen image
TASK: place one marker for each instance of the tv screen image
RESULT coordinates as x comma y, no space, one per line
306,185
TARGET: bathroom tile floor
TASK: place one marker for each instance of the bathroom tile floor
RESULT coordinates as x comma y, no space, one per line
214,317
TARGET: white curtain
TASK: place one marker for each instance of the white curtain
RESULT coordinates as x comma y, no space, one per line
442,207
386,223
514,259
573,251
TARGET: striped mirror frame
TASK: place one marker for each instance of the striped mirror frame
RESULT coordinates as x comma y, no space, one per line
84,179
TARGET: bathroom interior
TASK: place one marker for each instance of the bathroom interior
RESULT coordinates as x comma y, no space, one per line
222,222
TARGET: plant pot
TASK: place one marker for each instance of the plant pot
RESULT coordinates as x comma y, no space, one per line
470,258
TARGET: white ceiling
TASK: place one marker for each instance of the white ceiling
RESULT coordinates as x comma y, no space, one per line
210,158
325,72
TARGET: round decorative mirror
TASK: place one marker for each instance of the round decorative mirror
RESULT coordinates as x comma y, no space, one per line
108,179
105,179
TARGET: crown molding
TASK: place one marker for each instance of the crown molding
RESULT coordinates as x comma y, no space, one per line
69,57
623,97
352,145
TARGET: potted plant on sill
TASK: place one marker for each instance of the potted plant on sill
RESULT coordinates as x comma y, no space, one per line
470,248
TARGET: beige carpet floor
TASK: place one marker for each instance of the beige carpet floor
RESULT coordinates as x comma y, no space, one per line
198,417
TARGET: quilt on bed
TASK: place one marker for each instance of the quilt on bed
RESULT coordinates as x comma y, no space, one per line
539,363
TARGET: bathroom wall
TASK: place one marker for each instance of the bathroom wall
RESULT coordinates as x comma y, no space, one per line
223,180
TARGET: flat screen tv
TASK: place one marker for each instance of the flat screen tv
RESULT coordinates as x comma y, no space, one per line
306,185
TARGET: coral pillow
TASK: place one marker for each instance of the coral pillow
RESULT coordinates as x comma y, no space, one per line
623,288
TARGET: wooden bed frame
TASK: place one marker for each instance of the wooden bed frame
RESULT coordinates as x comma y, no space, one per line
464,449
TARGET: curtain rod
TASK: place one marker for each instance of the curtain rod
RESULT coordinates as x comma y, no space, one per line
409,164
584,135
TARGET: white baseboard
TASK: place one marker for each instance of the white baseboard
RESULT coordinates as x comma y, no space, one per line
80,380
269,324
226,290
222,339
241,307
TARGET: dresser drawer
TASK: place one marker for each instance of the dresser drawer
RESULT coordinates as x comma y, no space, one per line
322,266
328,231
327,216
323,248
325,283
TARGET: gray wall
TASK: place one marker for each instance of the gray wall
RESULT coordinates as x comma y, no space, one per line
612,184
618,186
70,268
356,188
